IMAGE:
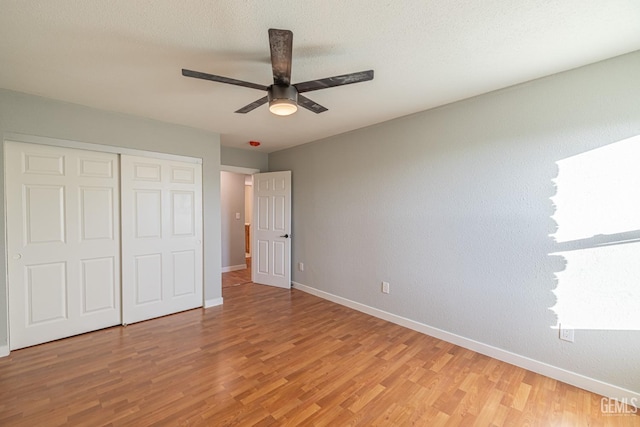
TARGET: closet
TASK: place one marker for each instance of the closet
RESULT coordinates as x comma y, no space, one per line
97,239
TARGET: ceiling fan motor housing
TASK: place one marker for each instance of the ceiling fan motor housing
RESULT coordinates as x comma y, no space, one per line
283,100
278,93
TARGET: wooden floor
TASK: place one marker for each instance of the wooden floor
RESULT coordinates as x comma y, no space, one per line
238,277
271,356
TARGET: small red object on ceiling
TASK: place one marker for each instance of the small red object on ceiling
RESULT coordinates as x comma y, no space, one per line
254,143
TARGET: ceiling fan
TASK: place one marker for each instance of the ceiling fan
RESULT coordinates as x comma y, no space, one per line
282,96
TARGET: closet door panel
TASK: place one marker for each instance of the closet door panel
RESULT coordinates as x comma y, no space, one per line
161,237
62,242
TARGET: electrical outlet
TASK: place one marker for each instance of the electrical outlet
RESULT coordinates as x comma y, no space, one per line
301,266
385,287
566,333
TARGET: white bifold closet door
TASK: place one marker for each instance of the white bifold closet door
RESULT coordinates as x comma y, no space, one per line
63,248
161,237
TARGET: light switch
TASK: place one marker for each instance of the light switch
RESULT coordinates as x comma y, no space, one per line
237,215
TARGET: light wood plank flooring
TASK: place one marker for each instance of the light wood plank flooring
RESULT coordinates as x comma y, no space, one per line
270,356
238,277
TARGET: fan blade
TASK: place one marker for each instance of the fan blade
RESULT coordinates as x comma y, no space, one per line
310,105
214,78
281,43
345,79
253,105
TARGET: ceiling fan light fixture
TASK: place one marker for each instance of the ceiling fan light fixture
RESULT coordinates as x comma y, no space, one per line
282,107
283,100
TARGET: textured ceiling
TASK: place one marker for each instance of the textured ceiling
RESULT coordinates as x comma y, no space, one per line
127,55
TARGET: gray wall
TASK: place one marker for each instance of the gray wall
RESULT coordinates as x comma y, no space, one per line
232,202
452,207
244,158
30,115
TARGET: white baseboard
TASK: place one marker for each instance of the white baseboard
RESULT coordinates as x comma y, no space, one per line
575,379
234,268
212,302
4,350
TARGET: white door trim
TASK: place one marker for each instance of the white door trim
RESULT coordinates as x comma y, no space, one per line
44,140
238,169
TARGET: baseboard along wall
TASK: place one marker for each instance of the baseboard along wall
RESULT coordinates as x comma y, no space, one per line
572,378
234,268
213,302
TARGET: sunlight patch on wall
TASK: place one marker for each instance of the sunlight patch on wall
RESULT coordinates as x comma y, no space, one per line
598,217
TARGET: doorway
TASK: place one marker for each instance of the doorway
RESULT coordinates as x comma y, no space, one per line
236,205
271,235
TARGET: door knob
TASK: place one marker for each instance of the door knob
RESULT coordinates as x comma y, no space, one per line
17,256
286,236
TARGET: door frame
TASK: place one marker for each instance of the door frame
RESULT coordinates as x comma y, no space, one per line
88,146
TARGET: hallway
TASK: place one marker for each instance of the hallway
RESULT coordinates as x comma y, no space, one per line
238,277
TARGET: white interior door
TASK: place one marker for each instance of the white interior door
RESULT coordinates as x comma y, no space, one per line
161,237
271,245
62,242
